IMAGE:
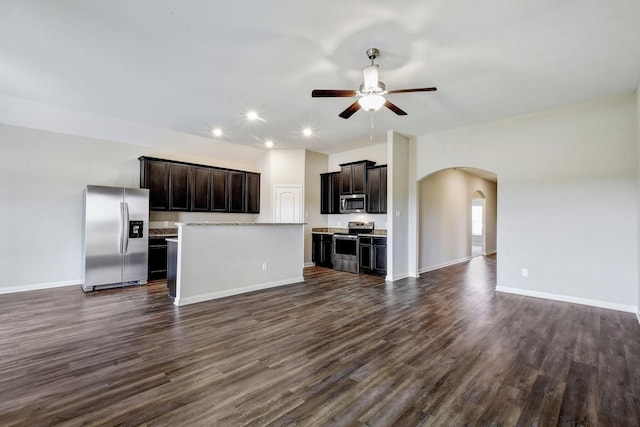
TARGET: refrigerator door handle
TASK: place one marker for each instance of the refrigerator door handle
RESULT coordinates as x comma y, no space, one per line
121,234
125,230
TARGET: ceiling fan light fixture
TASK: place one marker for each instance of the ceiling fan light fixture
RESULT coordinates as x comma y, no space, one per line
370,74
372,102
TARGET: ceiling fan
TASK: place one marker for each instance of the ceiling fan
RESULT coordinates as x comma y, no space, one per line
371,93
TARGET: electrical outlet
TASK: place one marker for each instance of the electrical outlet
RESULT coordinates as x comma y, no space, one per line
264,266
525,272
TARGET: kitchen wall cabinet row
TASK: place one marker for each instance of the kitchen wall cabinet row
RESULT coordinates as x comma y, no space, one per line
180,186
355,178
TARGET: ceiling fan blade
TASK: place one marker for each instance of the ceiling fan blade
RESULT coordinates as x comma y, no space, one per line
350,110
395,108
422,89
332,93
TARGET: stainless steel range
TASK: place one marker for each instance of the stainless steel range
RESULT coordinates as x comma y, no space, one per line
345,246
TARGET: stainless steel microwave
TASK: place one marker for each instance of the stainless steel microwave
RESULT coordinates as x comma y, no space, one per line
352,203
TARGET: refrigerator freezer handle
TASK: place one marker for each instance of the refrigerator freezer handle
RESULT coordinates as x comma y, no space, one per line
125,228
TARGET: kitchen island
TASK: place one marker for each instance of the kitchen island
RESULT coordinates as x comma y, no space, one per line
220,259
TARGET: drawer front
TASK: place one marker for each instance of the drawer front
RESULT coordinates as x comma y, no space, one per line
365,240
382,241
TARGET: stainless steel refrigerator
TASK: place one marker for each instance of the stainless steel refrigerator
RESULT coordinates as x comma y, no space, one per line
116,242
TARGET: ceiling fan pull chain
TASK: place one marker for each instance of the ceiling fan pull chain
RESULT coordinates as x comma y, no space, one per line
371,133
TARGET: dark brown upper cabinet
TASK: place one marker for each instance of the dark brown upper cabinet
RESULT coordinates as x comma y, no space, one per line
253,192
201,183
377,190
330,193
219,190
237,189
353,177
154,175
179,187
182,186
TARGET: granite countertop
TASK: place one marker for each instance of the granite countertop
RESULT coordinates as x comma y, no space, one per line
332,230
163,232
209,223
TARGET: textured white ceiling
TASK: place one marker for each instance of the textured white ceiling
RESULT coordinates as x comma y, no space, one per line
192,65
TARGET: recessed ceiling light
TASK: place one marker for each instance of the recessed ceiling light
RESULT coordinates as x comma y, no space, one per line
217,132
268,143
307,132
252,115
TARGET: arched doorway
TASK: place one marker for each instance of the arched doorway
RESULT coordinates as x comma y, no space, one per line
445,209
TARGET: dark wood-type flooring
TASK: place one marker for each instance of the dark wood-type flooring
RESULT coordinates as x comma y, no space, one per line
339,349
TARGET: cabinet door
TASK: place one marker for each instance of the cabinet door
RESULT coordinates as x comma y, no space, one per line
373,190
383,189
157,259
316,249
330,193
380,259
365,258
253,192
345,179
358,178
156,179
327,184
237,187
201,189
335,193
179,187
327,251
219,190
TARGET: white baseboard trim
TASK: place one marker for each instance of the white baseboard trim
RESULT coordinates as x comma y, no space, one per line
309,264
237,291
565,298
393,279
444,264
39,286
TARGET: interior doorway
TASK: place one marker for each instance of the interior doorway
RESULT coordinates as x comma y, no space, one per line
478,224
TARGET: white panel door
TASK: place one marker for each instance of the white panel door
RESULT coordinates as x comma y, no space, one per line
288,204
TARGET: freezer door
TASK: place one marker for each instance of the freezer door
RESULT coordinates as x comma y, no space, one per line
136,242
103,235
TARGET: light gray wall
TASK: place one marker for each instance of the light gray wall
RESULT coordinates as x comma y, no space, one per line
42,177
398,257
315,164
445,199
638,145
567,196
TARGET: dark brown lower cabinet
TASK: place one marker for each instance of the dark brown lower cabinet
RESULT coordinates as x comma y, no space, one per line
172,267
372,255
322,250
157,258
